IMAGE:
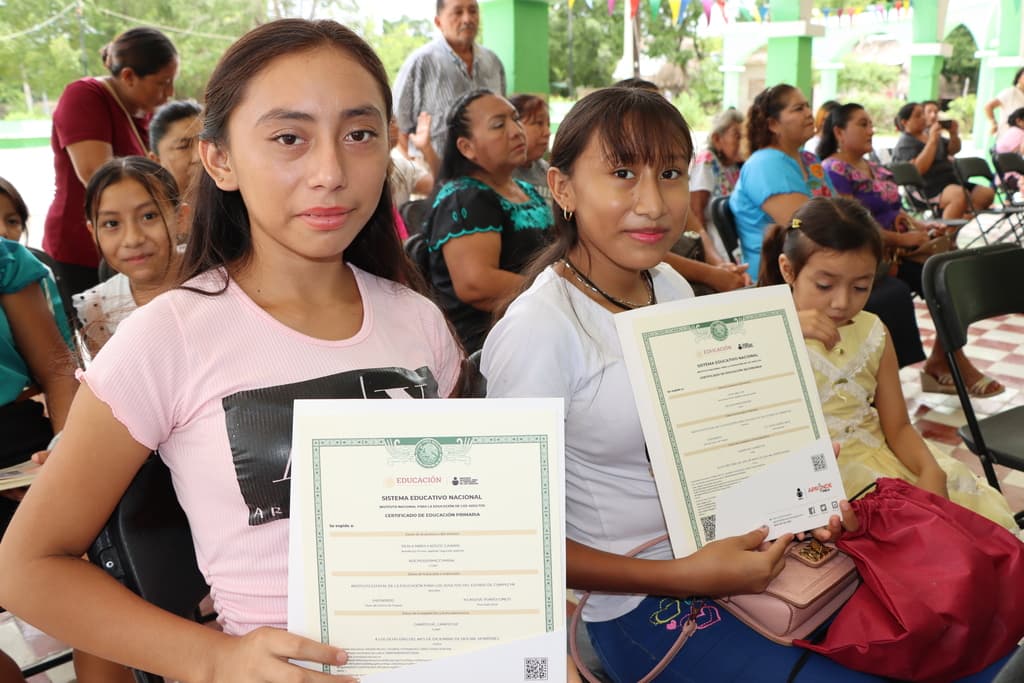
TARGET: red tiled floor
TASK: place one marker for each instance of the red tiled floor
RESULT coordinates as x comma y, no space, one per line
996,347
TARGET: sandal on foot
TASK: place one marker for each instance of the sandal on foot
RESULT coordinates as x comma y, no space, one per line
943,383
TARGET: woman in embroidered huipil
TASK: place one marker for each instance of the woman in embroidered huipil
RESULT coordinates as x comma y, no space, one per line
483,225
713,173
845,142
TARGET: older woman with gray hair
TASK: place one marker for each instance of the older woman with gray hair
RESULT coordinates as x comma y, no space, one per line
713,173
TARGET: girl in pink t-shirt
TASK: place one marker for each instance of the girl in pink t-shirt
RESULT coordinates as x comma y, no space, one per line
295,286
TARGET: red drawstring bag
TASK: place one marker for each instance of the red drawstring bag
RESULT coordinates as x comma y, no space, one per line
941,594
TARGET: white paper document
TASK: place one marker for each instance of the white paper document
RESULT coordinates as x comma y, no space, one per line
428,537
730,412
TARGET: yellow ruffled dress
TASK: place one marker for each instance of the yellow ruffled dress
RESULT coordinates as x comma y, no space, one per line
847,379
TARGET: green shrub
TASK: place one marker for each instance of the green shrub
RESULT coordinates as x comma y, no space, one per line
690,107
962,109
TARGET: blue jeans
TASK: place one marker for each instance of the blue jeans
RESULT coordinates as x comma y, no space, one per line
723,650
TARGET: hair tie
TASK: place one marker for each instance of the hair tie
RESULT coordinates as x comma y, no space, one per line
794,224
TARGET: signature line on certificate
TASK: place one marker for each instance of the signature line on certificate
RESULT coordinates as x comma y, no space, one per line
479,532
444,613
748,411
733,444
676,393
442,572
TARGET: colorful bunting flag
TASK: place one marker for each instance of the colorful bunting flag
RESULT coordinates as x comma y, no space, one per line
611,7
655,6
674,6
571,3
634,5
707,4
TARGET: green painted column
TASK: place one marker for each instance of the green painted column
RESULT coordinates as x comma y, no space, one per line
1000,59
925,70
789,44
927,54
828,87
517,30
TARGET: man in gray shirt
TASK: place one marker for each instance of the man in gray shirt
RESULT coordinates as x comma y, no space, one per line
434,76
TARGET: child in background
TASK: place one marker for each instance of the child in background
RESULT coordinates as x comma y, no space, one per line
14,226
13,213
291,291
829,254
133,211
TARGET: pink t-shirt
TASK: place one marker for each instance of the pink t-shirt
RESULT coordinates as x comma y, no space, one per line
209,382
1010,140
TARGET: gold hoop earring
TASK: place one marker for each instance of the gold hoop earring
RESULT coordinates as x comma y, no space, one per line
567,215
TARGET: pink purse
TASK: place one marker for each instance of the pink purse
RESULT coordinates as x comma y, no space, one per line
797,601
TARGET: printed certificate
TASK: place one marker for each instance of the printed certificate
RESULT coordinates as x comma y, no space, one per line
726,394
426,533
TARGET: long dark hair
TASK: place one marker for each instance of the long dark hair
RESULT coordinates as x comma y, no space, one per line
143,50
453,163
835,223
905,112
839,117
767,105
634,126
221,234
154,178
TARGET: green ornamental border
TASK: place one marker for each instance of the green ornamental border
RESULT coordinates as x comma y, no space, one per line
663,404
542,444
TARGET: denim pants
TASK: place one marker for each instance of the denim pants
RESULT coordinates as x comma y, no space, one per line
723,649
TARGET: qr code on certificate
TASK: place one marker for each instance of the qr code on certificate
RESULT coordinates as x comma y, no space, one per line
535,668
818,460
708,524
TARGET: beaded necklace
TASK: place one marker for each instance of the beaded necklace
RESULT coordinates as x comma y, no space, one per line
624,305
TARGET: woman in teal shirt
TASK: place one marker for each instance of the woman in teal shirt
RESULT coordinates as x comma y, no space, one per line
779,177
34,355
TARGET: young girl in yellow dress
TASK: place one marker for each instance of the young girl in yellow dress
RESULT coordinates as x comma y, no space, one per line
828,254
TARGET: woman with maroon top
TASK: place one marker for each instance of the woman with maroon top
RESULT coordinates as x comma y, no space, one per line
96,120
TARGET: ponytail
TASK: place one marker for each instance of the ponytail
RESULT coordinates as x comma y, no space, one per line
767,105
774,240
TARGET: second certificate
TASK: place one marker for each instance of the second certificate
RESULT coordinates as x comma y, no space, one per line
726,390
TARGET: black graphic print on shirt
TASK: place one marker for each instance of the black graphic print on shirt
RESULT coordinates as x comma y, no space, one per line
259,425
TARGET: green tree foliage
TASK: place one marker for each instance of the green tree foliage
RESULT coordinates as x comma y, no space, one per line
869,84
865,77
597,48
45,44
698,59
397,39
962,66
596,44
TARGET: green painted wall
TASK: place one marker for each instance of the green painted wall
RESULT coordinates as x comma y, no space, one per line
924,77
517,30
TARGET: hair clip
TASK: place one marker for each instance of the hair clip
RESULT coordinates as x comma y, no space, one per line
794,224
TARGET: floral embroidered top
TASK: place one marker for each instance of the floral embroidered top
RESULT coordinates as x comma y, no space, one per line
709,174
877,191
466,206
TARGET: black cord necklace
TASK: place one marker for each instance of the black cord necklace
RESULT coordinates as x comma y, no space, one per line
624,305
